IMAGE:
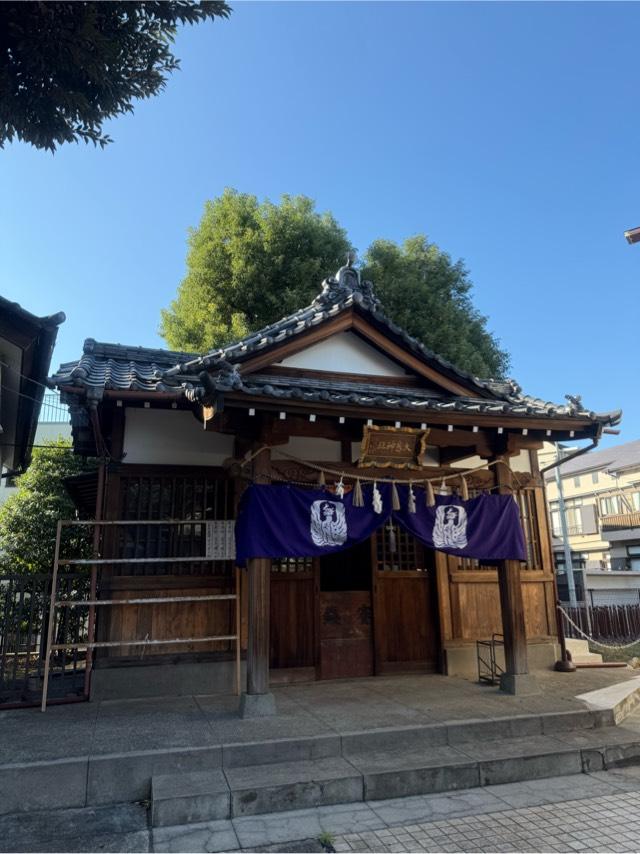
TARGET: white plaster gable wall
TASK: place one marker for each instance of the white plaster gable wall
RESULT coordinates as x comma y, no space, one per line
345,353
172,437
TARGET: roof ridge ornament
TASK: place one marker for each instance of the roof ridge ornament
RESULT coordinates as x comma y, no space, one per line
575,402
347,283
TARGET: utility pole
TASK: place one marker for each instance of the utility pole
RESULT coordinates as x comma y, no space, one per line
568,563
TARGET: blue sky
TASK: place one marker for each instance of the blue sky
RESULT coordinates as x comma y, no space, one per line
507,132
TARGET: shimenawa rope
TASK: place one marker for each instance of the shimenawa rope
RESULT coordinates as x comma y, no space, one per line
593,640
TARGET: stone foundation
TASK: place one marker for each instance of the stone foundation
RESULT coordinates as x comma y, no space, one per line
462,659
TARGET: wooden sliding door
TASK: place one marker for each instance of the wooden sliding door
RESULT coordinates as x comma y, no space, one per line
405,602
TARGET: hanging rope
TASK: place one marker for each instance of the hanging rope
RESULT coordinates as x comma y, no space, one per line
361,477
593,640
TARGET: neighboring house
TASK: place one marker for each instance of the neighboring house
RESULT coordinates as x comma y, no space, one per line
54,422
181,435
602,500
26,347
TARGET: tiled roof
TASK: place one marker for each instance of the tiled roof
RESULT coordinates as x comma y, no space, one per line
402,397
339,293
607,459
118,367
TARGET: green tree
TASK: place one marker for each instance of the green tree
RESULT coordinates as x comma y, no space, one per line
28,518
66,67
427,294
249,264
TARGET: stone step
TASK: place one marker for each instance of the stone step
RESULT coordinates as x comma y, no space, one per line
367,772
577,646
293,785
580,652
189,798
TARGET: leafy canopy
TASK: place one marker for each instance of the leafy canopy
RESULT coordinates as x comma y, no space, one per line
428,295
29,517
251,263
67,67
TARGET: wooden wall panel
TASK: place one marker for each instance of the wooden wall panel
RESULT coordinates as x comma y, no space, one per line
406,616
478,605
173,620
535,610
292,621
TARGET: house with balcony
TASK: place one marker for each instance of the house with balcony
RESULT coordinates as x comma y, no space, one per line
602,504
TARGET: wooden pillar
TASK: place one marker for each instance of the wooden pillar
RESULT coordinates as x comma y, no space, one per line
444,605
516,678
258,641
258,701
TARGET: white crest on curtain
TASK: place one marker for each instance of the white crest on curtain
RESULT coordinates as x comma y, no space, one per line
328,523
450,527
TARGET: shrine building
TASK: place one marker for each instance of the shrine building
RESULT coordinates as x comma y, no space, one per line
331,397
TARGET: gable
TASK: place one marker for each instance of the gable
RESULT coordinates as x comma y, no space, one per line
344,353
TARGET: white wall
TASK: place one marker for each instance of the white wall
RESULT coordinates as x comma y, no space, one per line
172,437
521,462
345,353
44,431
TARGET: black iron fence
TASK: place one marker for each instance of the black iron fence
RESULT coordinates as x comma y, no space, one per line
24,615
612,623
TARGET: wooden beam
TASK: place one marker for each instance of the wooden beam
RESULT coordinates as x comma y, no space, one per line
416,364
405,381
561,427
299,342
511,602
259,570
258,645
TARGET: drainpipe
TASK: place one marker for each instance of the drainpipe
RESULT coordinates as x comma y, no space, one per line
566,546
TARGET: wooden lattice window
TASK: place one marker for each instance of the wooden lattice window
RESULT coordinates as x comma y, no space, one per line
194,497
398,551
292,565
526,499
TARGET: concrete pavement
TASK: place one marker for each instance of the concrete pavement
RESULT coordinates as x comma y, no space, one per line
599,811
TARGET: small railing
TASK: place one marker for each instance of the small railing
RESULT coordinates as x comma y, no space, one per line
52,410
621,520
489,671
611,623
24,620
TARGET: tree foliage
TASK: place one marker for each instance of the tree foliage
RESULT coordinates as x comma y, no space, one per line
66,67
428,295
250,263
28,518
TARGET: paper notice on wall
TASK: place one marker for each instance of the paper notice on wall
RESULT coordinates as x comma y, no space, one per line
221,541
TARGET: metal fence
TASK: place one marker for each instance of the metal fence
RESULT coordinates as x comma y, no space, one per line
614,623
24,614
52,410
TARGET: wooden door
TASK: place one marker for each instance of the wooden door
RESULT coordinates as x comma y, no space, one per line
405,602
346,635
292,635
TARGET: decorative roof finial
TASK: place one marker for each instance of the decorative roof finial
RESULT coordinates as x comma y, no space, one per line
347,284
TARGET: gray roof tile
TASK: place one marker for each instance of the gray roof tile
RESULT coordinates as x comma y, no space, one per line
606,459
118,367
